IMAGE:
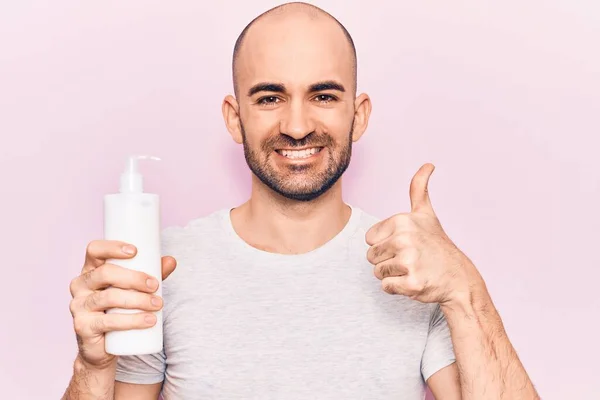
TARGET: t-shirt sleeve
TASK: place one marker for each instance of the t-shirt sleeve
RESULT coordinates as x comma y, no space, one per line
439,352
145,369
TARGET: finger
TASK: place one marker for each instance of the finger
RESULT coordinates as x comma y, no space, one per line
389,268
119,298
393,284
380,252
384,230
103,323
407,285
116,276
168,266
419,191
390,247
98,251
380,231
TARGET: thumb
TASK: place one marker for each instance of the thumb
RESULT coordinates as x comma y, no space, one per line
419,192
168,266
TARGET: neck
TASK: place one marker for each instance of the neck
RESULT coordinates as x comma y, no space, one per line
273,223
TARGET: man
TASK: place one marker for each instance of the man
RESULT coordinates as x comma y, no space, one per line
276,299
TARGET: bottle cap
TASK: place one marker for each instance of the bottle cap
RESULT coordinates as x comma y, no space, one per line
131,179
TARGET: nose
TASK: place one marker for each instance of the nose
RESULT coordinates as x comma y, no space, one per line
296,121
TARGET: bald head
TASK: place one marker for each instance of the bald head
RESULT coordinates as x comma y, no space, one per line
295,20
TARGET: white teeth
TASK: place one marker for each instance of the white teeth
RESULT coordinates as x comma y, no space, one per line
299,154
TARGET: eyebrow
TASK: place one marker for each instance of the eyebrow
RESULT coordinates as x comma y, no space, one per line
266,87
326,85
280,88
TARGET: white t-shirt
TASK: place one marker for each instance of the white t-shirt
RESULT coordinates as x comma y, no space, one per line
241,323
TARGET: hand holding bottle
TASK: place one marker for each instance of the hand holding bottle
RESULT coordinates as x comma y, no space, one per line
102,286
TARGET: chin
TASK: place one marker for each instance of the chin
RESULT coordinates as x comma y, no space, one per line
306,196
303,191
300,181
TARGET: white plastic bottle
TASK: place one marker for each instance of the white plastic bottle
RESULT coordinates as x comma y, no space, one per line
133,216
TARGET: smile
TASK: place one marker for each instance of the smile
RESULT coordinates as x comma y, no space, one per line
299,154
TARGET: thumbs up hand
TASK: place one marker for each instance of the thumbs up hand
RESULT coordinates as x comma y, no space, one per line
413,256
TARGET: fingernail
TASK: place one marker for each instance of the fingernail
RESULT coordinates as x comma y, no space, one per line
151,283
128,250
155,301
150,318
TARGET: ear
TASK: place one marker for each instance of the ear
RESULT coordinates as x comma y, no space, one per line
362,112
231,115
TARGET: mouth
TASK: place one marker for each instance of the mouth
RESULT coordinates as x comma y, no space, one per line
299,154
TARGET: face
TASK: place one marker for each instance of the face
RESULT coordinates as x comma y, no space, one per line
296,114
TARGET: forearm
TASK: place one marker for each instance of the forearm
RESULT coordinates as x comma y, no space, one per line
488,364
91,384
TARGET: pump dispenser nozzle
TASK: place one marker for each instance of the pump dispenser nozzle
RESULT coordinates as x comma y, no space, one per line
131,179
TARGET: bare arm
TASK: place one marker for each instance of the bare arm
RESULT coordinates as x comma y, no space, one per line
132,391
89,383
488,364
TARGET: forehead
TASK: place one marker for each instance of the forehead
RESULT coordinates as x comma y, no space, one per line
296,52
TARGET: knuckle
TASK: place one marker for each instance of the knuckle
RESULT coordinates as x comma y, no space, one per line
405,222
79,325
388,286
369,236
80,342
73,307
407,239
105,297
91,302
414,284
380,249
372,254
123,300
87,277
91,248
98,325
73,286
408,258
377,273
103,273
399,241
399,220
384,270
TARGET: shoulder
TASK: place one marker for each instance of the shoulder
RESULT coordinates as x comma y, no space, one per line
199,242
361,222
367,220
198,232
195,246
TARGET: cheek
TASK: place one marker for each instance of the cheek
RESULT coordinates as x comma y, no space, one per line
258,127
337,123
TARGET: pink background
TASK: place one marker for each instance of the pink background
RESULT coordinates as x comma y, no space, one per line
503,97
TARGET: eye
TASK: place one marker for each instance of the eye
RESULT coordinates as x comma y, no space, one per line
325,98
268,100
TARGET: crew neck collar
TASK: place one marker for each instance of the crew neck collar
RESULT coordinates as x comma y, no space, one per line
337,242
